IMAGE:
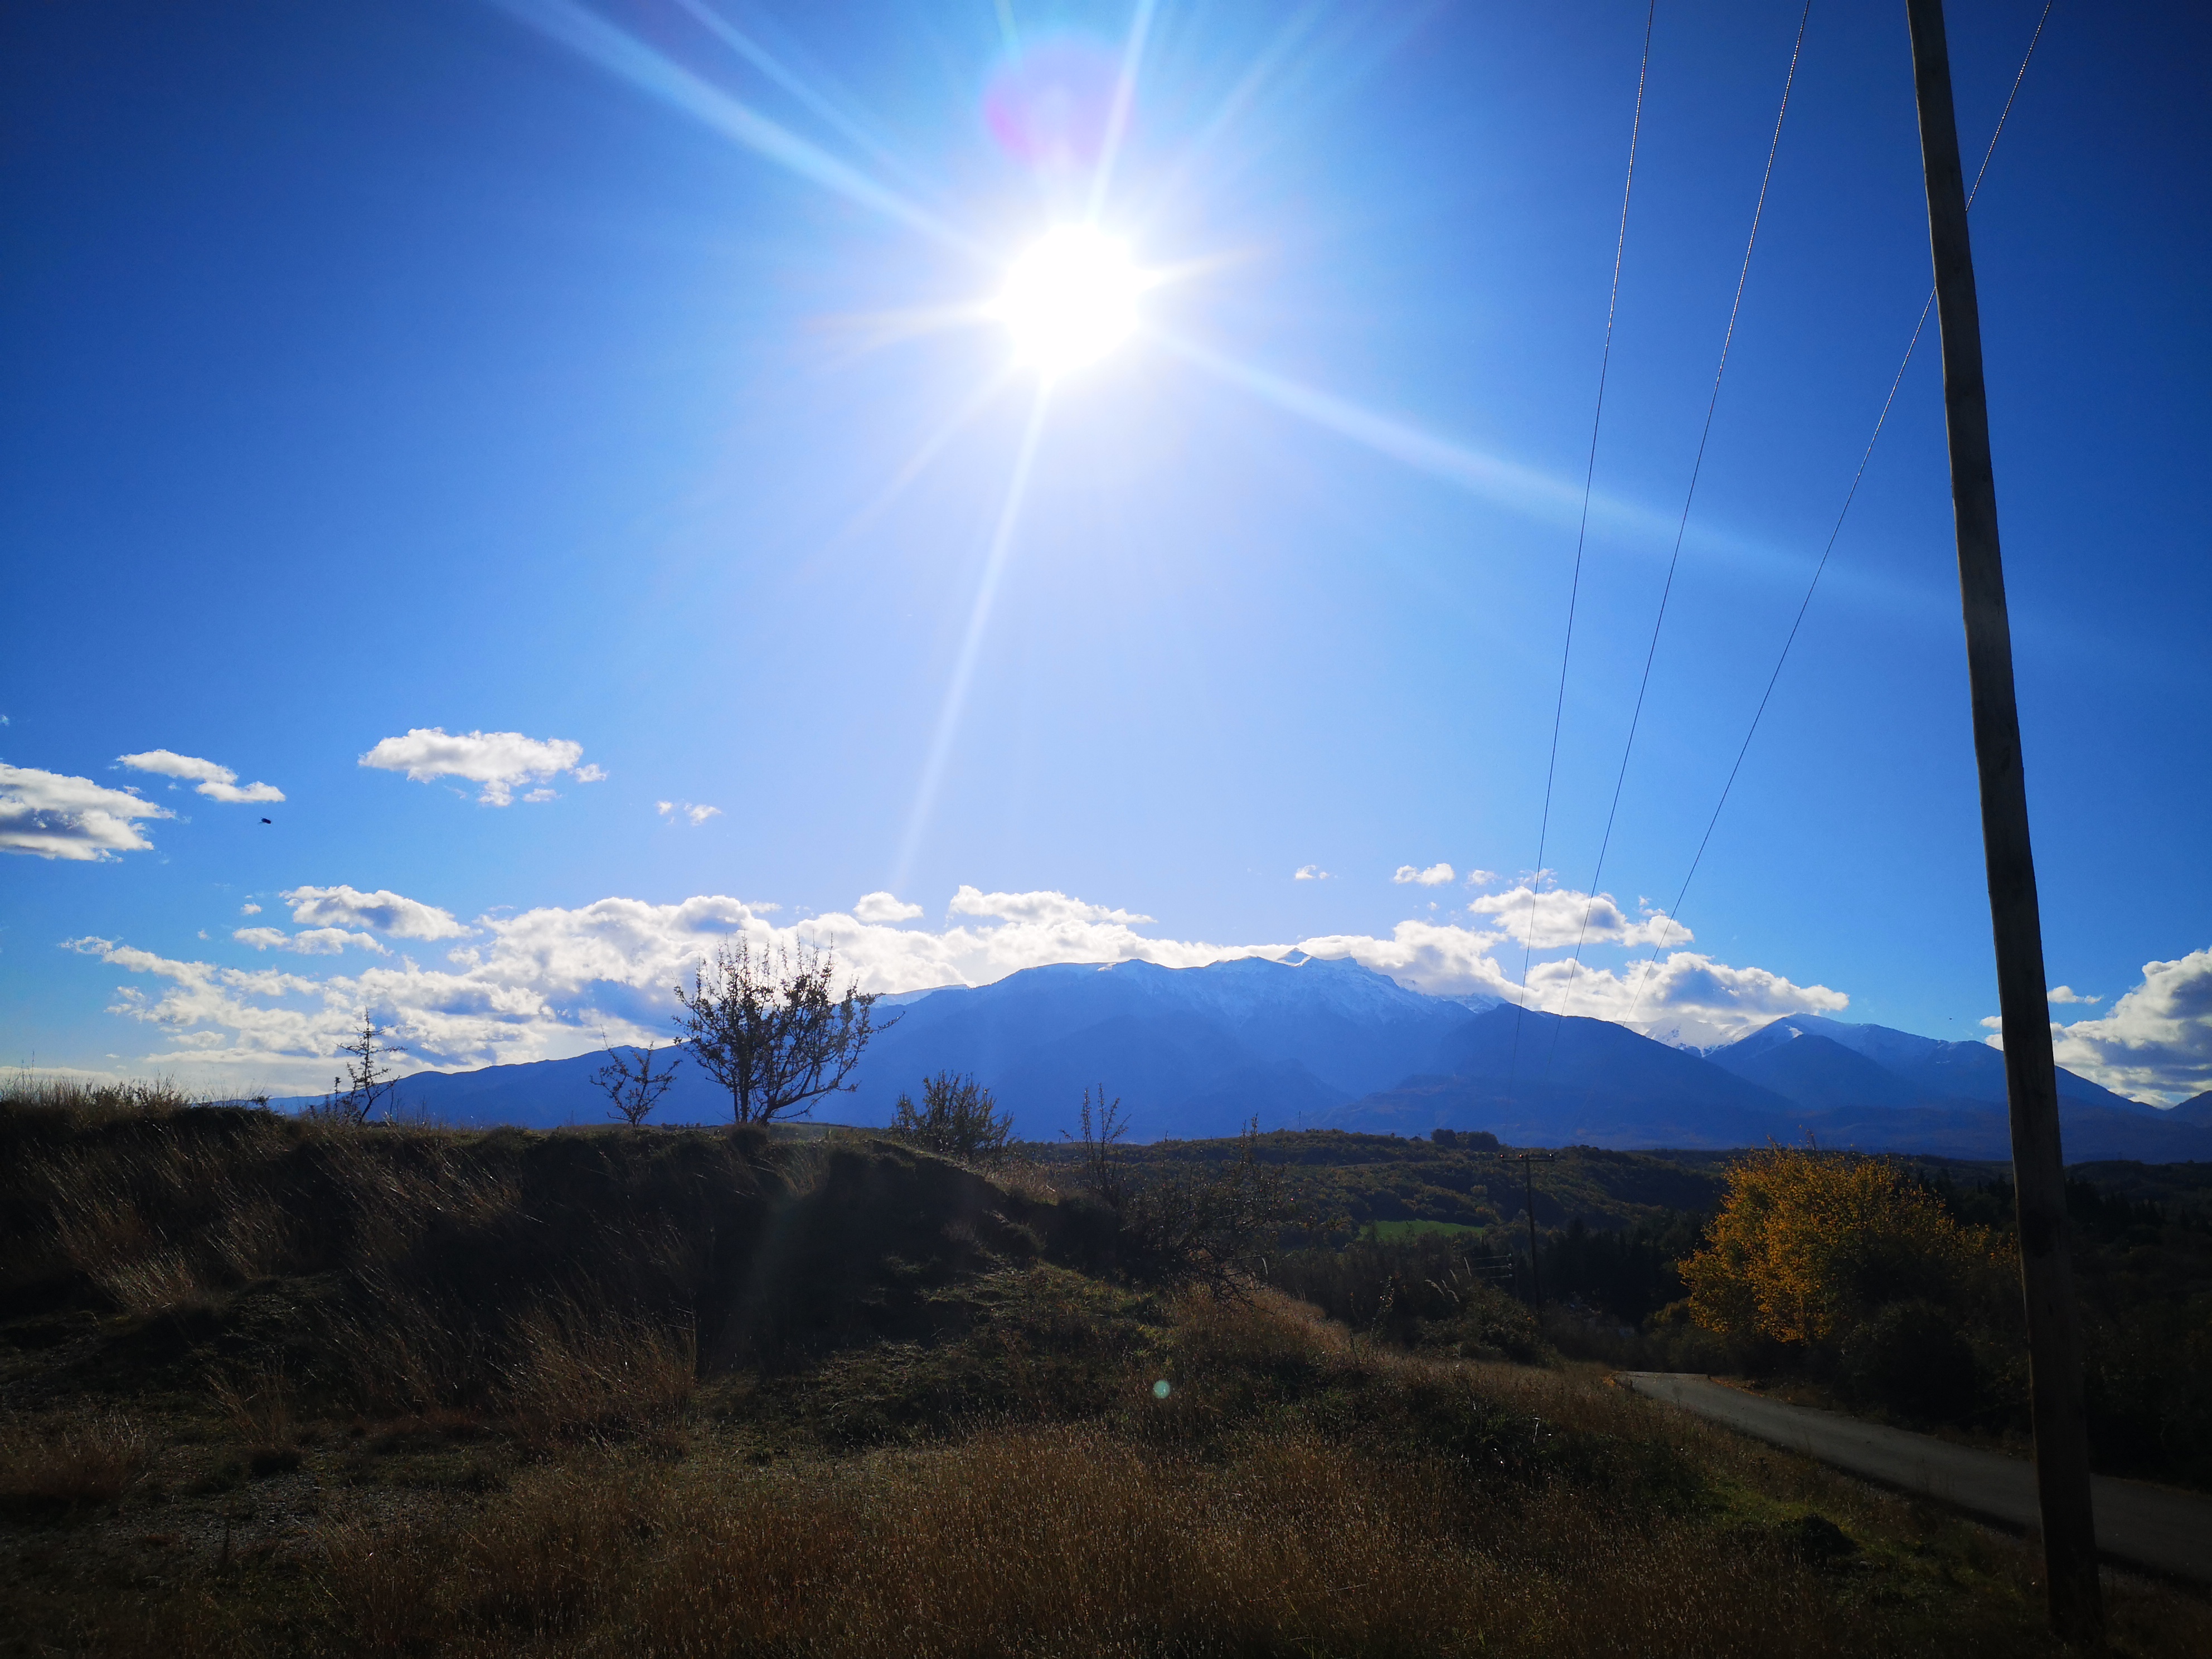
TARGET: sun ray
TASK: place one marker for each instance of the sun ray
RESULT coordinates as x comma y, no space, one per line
971,645
1506,482
1524,489
919,462
623,54
1240,98
1117,118
792,82
860,333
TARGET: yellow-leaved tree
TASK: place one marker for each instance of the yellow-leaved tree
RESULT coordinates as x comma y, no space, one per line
1809,1244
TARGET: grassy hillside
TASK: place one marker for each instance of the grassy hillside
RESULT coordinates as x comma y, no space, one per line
270,1385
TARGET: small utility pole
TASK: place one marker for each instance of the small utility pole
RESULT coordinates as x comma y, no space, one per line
2054,1341
1528,1160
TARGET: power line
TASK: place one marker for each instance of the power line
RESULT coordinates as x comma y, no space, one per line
1674,915
1697,467
1581,531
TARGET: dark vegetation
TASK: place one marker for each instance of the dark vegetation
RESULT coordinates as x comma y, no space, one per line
1405,1227
957,1118
303,1386
769,1026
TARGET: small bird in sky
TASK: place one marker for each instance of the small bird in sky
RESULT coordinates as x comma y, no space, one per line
265,820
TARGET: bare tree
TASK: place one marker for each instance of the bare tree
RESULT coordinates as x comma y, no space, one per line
367,1082
771,1028
635,1088
1101,1128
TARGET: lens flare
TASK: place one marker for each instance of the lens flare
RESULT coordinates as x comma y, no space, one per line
1070,299
1050,105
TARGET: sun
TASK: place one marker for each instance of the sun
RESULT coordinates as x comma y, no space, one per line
1070,299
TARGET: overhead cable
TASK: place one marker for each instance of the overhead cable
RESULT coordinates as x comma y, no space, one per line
1712,403
1581,531
1642,978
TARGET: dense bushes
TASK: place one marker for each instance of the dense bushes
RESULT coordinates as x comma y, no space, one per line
1902,1292
1428,1291
1806,1247
1628,1273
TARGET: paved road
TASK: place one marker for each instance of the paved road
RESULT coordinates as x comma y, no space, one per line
2142,1525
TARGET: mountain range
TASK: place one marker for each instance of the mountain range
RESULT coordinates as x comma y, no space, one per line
1305,1041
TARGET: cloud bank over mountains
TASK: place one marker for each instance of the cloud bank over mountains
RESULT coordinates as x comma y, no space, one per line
1556,917
544,983
2156,1041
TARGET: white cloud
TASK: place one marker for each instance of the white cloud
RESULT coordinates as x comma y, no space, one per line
499,760
249,909
1044,908
589,772
1691,998
1310,873
51,815
698,815
1435,876
216,782
1556,917
385,911
310,942
1481,878
541,984
2156,1041
2068,993
884,907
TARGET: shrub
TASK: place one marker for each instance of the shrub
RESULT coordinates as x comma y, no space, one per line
1807,1245
957,1118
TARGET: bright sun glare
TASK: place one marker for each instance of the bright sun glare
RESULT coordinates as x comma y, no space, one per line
1070,299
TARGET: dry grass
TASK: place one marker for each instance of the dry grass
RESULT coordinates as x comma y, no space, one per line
60,1465
577,1369
1072,1541
920,1431
259,1403
86,1102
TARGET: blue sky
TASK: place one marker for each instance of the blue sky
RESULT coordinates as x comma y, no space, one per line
619,385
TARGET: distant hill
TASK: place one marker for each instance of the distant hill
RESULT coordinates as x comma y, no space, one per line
1193,1052
1934,1071
1190,1052
1535,1079
1810,1070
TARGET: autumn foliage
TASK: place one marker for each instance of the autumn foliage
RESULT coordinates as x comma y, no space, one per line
1809,1245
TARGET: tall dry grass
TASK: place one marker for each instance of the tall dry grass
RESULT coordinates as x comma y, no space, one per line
1072,1541
61,1462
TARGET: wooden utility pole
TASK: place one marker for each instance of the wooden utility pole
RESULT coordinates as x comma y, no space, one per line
1528,1162
2054,1340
